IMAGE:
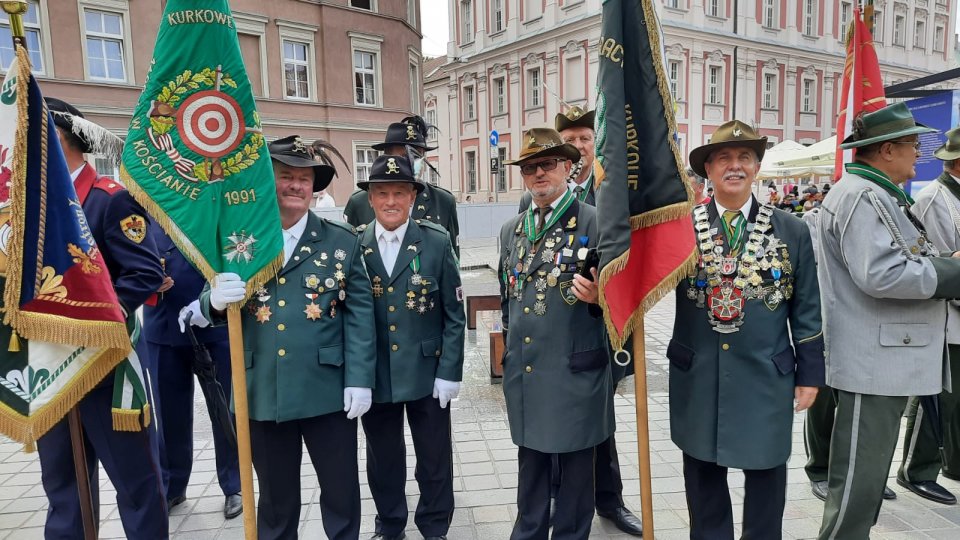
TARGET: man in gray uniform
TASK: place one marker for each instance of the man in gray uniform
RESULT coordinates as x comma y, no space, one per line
938,208
882,283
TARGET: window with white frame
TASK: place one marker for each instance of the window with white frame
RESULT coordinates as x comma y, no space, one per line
296,69
534,81
497,16
938,41
809,17
532,9
466,21
574,85
470,167
412,12
430,117
809,96
367,69
714,85
502,173
469,103
106,167
770,87
877,27
433,176
363,4
675,4
500,95
31,30
899,27
414,86
846,15
920,34
714,8
364,156
770,13
105,45
674,77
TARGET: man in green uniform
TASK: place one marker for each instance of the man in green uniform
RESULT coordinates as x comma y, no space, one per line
557,384
433,203
747,346
883,286
576,128
418,305
938,208
310,353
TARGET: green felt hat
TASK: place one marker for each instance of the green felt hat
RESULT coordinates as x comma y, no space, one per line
891,122
950,149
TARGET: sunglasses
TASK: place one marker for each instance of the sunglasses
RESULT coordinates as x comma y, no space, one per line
546,165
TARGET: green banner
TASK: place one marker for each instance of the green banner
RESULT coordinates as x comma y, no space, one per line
195,156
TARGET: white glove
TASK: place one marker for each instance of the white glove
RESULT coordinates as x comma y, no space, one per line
445,391
228,288
196,317
356,401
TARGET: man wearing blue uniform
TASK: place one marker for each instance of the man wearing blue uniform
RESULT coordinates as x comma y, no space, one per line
130,458
171,357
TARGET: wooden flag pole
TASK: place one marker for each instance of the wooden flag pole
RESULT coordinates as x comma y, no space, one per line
643,429
238,376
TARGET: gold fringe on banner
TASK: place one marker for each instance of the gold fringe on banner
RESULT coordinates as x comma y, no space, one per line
27,430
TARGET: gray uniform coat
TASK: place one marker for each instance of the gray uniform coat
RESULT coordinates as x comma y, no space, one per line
938,208
731,395
556,369
874,266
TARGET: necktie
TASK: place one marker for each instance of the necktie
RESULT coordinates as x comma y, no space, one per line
577,191
733,228
541,217
389,253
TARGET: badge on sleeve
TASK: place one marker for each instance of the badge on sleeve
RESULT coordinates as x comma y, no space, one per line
134,227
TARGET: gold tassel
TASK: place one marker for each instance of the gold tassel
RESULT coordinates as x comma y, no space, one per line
126,419
14,345
30,447
146,415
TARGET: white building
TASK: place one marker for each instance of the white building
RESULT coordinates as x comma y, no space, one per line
778,64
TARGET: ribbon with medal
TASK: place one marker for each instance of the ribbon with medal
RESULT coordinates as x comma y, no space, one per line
422,304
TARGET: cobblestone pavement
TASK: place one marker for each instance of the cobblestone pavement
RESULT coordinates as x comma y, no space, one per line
485,463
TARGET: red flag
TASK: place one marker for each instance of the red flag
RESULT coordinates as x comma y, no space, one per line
862,89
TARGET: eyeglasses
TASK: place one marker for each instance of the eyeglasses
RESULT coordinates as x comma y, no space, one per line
915,144
546,165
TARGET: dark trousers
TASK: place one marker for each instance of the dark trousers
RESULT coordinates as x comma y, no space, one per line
387,465
816,434
922,459
132,463
574,497
174,383
331,441
608,486
708,500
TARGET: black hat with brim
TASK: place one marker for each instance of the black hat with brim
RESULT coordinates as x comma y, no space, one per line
293,152
402,133
391,170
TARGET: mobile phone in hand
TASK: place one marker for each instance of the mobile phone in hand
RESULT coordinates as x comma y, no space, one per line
592,260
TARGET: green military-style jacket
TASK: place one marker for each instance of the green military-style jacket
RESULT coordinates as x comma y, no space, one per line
433,204
732,388
556,368
307,333
419,313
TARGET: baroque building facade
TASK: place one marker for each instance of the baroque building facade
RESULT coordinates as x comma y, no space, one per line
513,64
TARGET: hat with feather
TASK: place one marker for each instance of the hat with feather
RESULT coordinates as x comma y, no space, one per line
93,138
294,152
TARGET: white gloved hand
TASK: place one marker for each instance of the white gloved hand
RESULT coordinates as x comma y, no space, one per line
228,288
196,317
356,401
445,391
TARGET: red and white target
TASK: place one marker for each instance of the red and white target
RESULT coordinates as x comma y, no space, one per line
211,123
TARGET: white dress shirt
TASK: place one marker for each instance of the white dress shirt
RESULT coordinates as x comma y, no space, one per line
744,210
389,243
291,237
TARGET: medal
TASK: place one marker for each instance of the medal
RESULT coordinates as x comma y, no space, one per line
342,295
339,254
333,309
377,287
323,258
263,314
540,284
540,307
411,304
313,311
551,280
582,253
338,275
312,281
416,279
330,283
547,255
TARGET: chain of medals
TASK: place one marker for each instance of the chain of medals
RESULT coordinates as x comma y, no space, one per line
421,305
261,308
723,284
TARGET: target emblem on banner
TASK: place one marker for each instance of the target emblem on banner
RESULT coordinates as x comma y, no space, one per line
211,123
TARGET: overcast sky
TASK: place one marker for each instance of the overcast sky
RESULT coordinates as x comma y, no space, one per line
436,32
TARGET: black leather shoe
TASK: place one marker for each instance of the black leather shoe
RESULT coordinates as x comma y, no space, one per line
379,536
819,489
929,490
233,506
889,494
176,501
624,520
434,538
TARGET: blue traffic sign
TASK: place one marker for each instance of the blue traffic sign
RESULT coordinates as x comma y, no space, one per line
494,138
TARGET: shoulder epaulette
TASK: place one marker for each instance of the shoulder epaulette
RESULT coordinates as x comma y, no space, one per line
110,186
427,224
343,225
362,227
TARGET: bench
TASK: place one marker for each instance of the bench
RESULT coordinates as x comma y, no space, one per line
487,302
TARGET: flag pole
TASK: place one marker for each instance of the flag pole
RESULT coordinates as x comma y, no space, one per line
15,10
643,428
239,379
